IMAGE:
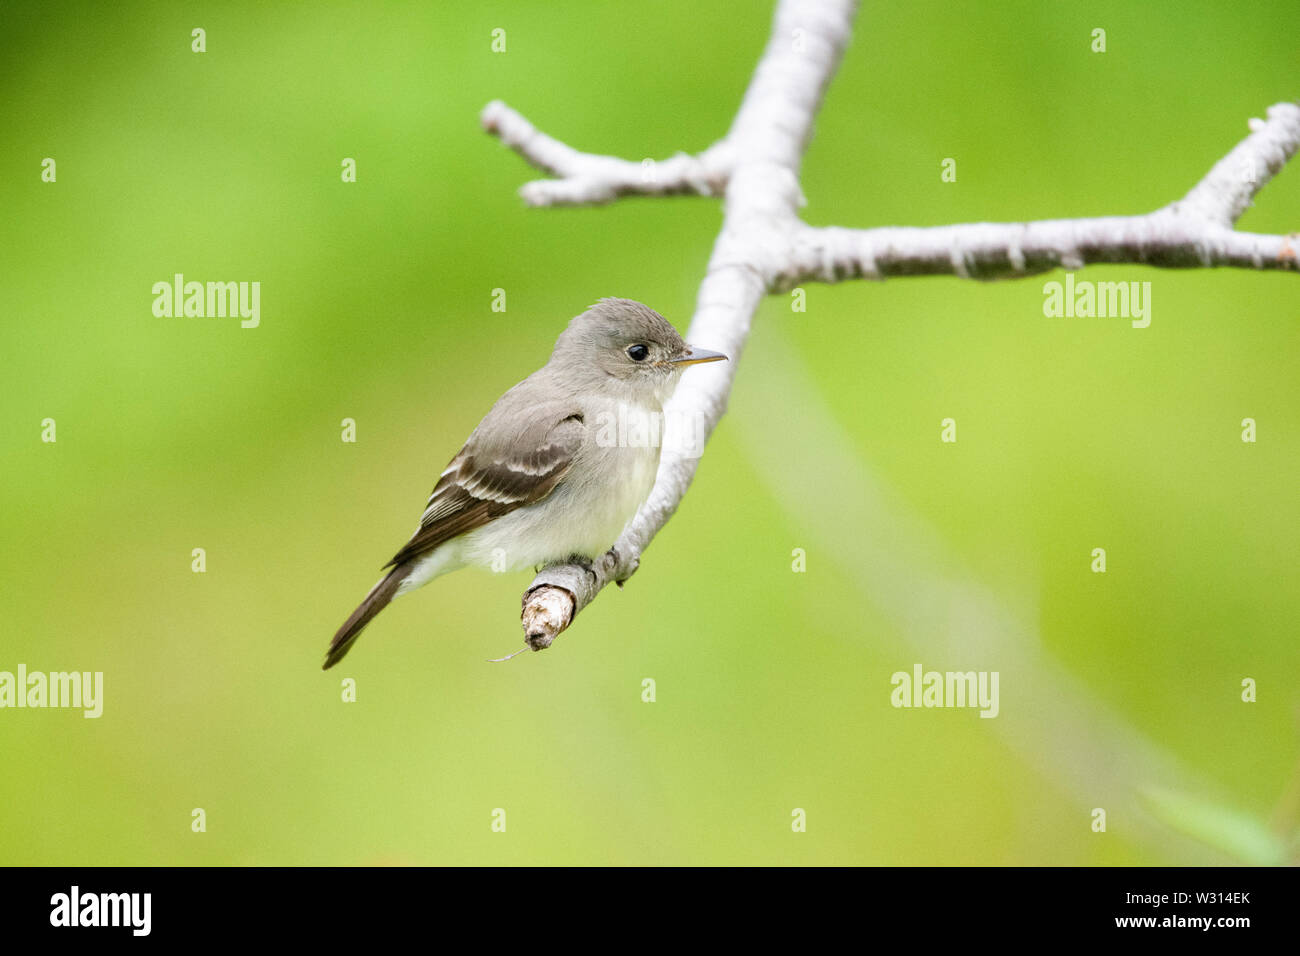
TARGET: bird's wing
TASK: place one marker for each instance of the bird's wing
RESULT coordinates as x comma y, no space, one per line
516,457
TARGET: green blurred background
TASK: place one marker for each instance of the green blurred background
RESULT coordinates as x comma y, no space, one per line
773,687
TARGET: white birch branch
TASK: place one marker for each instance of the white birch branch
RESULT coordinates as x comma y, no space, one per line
588,179
764,247
1193,232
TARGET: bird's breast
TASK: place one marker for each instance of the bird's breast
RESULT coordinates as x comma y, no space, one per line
623,459
611,475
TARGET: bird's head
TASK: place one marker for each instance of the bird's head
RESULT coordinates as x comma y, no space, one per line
624,346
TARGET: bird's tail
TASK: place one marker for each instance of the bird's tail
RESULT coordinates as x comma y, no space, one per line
375,601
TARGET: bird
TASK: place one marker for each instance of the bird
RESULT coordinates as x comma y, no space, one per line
558,466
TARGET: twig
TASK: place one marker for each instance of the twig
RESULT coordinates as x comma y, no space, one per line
764,247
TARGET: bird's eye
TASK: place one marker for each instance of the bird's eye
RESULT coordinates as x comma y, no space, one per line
637,353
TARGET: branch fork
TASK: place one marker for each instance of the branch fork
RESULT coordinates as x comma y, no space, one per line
765,247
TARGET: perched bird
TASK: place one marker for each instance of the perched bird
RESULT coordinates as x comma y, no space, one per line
550,473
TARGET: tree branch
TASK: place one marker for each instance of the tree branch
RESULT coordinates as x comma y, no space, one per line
764,247
1193,232
589,179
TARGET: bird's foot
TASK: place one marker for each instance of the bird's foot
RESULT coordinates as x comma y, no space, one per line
614,561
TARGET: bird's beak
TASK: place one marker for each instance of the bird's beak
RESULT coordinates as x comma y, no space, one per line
696,356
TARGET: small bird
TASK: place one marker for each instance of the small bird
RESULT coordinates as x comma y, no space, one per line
557,468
